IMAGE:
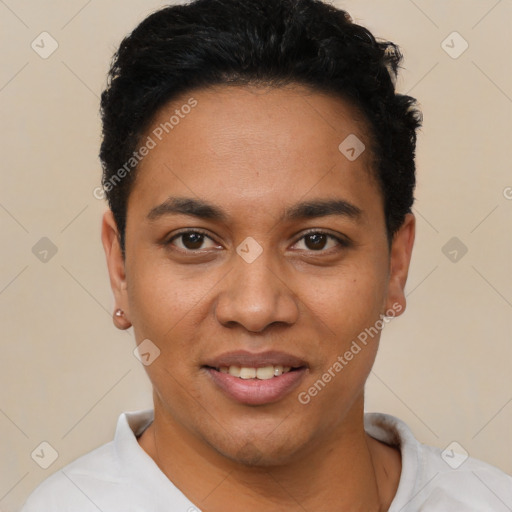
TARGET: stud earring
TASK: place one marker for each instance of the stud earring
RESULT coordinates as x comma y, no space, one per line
120,320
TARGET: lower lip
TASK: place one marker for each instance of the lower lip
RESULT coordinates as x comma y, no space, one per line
256,391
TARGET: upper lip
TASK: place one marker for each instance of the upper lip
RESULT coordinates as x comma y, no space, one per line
255,360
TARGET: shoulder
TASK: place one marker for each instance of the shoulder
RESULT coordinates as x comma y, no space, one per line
70,487
102,479
453,477
433,479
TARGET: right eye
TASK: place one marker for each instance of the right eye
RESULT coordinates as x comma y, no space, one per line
190,241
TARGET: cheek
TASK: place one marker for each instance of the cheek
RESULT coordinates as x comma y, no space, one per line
164,309
158,299
348,300
350,309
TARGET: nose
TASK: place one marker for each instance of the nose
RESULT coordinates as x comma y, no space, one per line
255,295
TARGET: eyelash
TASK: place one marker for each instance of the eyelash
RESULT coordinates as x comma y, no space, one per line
342,242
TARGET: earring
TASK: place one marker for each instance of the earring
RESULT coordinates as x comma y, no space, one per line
120,320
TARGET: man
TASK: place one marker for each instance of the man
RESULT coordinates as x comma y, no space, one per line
259,168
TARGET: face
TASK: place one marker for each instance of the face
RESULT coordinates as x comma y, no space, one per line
256,256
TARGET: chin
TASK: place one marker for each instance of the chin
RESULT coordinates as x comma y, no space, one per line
252,457
254,450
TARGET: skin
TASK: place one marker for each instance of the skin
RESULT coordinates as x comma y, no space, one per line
253,152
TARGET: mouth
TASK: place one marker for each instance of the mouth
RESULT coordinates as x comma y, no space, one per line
260,373
256,379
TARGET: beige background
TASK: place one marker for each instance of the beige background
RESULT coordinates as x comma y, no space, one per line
445,367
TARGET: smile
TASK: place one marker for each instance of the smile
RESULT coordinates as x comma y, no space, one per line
262,373
256,379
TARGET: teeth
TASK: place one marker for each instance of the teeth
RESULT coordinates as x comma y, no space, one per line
263,373
247,373
234,370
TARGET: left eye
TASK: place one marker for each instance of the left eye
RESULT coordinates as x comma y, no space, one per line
317,241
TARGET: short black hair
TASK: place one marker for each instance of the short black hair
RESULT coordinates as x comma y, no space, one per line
257,42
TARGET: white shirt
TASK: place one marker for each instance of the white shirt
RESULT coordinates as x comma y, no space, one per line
121,477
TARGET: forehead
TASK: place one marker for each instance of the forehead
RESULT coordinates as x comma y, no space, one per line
254,142
253,115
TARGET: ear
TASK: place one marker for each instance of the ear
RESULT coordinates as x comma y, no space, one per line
116,267
400,258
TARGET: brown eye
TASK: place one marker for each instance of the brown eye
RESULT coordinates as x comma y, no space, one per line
318,241
191,241
315,241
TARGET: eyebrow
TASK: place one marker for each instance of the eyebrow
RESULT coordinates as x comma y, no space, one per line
205,210
187,206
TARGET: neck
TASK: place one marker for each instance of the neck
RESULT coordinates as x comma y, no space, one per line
346,470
